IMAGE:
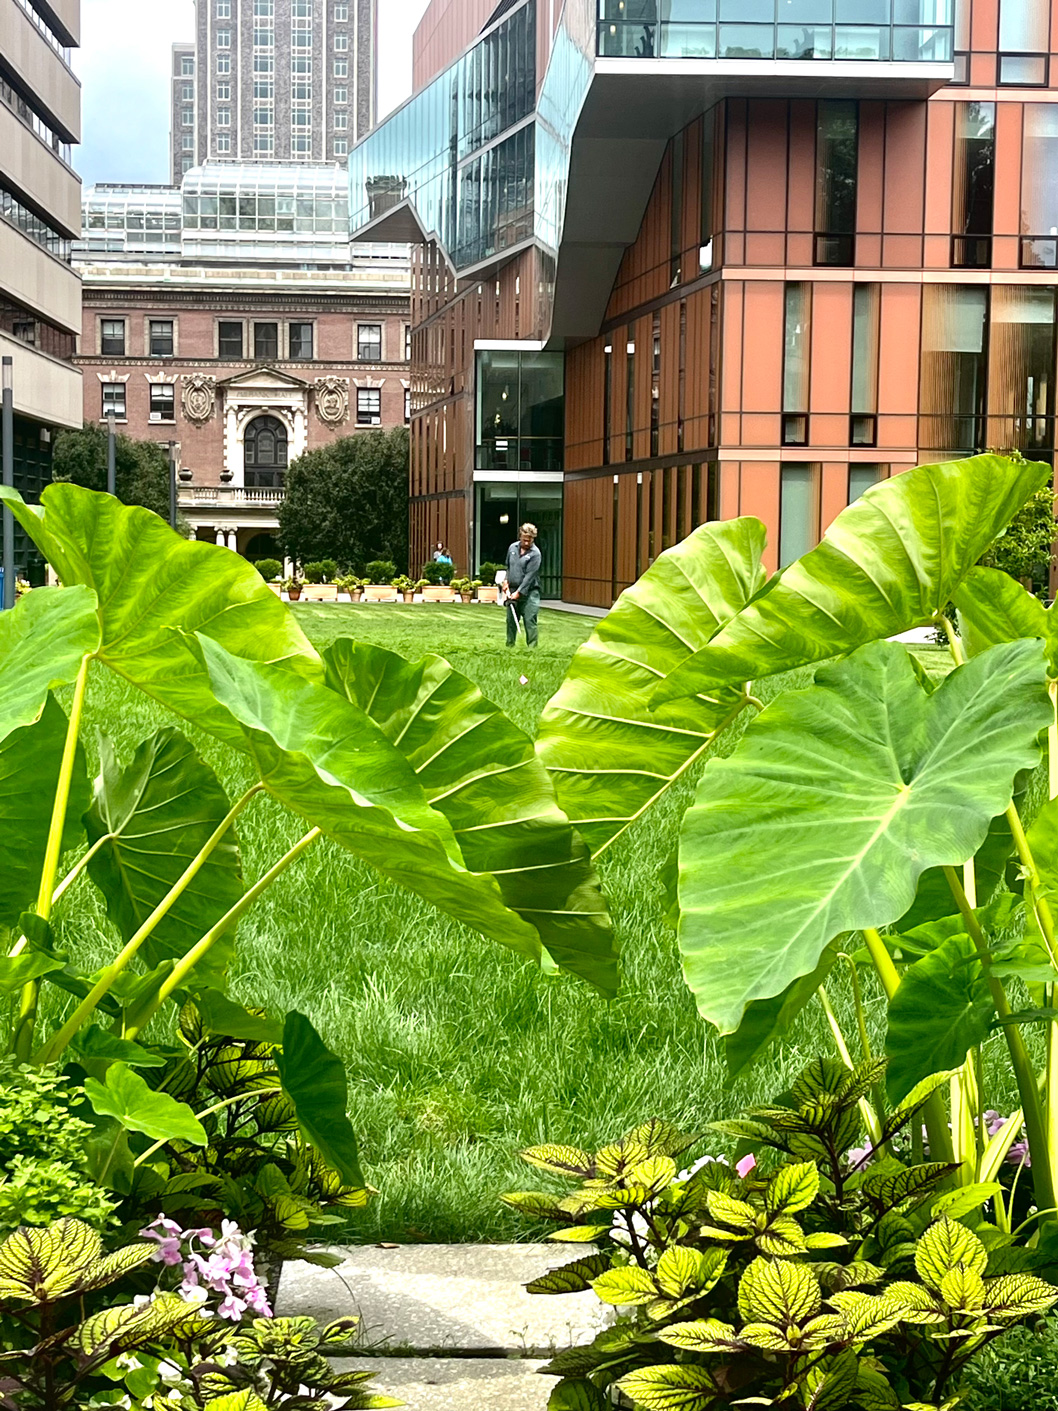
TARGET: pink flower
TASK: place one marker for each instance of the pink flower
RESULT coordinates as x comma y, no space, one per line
168,1236
746,1165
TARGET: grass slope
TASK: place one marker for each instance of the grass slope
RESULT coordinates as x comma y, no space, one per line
458,1053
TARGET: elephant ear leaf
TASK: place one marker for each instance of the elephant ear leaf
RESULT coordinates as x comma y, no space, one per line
835,802
151,821
479,770
889,562
314,1080
610,755
994,608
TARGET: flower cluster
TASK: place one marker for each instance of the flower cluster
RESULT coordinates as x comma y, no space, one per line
214,1267
1019,1154
628,1229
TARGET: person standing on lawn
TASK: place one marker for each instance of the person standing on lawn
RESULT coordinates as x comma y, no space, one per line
523,586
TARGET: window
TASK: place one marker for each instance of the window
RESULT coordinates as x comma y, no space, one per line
407,342
223,92
341,14
188,142
1021,362
301,340
114,400
341,95
186,164
223,143
223,38
301,117
264,63
188,93
263,143
266,341
163,401
264,90
798,513
264,38
341,122
861,478
301,142
187,66
188,118
264,9
301,64
341,147
974,189
224,63
112,337
407,405
1023,26
161,337
837,145
866,310
1039,187
265,451
368,406
341,43
263,117
223,9
341,68
954,360
224,117
796,365
369,342
229,340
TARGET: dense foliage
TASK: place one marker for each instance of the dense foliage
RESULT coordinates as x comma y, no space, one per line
349,501
1025,549
141,467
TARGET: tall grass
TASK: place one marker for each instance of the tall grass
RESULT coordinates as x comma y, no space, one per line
458,1053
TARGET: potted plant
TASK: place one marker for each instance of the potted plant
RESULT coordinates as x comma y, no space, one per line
465,588
292,588
380,575
489,591
352,585
405,586
319,576
436,577
270,570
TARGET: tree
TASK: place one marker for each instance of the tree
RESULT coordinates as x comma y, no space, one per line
142,467
1026,548
349,501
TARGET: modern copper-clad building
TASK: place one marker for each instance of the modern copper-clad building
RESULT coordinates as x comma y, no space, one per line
687,259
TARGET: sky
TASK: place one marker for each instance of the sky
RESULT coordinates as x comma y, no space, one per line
123,65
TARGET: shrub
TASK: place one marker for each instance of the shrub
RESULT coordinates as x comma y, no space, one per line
330,570
269,569
438,573
1021,1374
488,571
313,572
381,572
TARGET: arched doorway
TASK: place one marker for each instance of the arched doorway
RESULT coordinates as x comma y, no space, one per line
266,450
263,546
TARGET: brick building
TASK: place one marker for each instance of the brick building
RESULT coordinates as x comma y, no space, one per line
716,258
244,344
279,80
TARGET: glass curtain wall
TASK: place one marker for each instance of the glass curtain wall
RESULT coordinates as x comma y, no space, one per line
954,366
501,508
837,167
796,364
521,411
1039,187
798,512
1021,365
974,186
866,321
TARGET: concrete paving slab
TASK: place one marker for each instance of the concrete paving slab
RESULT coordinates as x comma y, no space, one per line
437,1298
447,1384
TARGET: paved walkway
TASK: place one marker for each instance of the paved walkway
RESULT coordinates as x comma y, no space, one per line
449,1326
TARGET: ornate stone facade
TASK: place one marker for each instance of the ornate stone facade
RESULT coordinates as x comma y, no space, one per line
332,400
200,397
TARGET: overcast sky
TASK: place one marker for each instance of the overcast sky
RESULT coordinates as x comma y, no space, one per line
123,65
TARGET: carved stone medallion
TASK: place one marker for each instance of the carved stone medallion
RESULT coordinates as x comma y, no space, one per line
332,399
200,396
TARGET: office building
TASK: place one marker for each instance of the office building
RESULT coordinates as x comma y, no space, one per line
40,214
274,80
225,315
724,257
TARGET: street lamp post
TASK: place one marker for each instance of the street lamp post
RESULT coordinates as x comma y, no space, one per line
7,455
112,473
172,484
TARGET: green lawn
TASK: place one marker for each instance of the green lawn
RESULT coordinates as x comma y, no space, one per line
458,1052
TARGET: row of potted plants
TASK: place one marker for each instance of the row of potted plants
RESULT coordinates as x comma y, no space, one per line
321,582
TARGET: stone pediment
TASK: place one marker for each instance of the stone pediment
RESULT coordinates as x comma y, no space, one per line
263,379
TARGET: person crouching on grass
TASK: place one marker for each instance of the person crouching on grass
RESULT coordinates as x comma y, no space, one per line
523,586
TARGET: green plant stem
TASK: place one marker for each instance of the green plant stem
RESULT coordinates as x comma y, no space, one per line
1024,1072
201,948
933,1113
27,1019
199,1116
75,872
57,1044
870,1117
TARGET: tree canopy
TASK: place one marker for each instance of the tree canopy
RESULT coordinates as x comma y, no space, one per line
349,501
142,467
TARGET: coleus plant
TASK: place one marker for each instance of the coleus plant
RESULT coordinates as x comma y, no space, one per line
817,1275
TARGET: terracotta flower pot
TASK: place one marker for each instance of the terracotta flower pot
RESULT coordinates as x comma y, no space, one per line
467,597
380,593
409,597
437,595
356,594
489,595
294,594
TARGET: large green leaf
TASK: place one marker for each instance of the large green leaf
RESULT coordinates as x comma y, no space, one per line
767,1020
836,801
155,591
325,759
941,1010
610,755
157,815
314,1080
43,642
125,1096
479,769
888,563
30,761
993,608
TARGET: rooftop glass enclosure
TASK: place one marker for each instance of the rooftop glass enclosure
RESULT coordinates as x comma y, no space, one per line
130,220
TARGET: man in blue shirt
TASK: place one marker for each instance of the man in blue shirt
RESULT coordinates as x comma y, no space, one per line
523,586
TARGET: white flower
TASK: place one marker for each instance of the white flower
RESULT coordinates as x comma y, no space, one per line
170,1372
702,1161
128,1362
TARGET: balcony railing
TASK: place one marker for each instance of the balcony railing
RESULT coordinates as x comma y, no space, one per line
229,497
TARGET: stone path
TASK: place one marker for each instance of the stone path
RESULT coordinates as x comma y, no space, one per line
447,1326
